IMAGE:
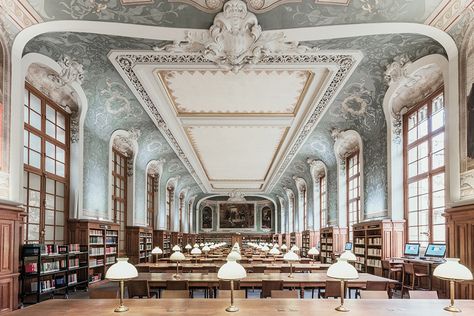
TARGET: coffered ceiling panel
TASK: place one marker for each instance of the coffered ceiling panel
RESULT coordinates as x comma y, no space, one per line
236,152
245,92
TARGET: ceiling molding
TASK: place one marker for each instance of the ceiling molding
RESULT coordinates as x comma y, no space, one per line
256,6
448,12
21,13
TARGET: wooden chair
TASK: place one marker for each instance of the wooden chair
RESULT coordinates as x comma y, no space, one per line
391,270
99,293
226,294
177,285
333,289
139,289
410,277
373,295
284,294
270,285
174,294
423,295
376,286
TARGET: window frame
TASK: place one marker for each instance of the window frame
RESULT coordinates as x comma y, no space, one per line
430,173
117,176
323,199
150,189
356,199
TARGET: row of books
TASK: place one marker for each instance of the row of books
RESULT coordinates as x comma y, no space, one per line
111,240
53,266
110,260
96,251
72,278
359,251
111,233
73,262
74,248
110,250
95,277
96,240
93,262
47,285
359,241
375,241
374,251
374,263
96,232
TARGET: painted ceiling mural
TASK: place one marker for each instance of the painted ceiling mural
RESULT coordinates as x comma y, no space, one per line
289,14
111,106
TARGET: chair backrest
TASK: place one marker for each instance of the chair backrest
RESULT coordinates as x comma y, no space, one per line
268,271
269,285
373,295
226,294
176,285
225,285
333,289
138,288
284,294
385,264
409,268
143,269
103,293
376,286
175,294
423,294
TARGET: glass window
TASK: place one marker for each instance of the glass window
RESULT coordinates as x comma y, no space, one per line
353,191
119,195
323,201
424,162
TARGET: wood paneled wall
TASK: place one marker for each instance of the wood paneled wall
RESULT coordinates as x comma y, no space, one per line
460,242
11,239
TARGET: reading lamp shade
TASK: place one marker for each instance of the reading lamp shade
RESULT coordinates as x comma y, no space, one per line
156,251
231,271
313,252
201,245
342,270
295,248
276,246
234,256
195,245
122,270
206,248
291,256
188,246
265,248
177,256
452,270
196,251
176,248
284,247
348,255
274,251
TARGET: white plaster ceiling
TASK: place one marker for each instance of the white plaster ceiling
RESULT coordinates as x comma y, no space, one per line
236,129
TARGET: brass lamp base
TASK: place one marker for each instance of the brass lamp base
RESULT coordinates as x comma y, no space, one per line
341,309
121,309
452,309
176,276
232,309
290,275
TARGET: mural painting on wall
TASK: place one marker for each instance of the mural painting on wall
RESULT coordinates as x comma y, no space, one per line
237,215
266,218
207,218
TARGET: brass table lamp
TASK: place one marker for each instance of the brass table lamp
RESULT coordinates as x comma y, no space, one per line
121,271
342,271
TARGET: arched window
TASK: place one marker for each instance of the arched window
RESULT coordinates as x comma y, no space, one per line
46,168
151,188
423,140
323,200
169,205
119,192
181,210
291,210
353,190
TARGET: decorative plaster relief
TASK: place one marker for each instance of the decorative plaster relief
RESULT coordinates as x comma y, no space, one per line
257,6
317,168
346,143
235,40
125,144
397,69
155,167
20,13
236,196
447,14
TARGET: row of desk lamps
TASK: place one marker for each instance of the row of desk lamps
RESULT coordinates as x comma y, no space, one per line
342,270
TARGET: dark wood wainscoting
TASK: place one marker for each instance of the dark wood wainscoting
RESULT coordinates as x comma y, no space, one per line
11,239
460,241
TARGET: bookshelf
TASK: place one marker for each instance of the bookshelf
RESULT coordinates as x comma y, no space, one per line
276,239
177,239
332,241
375,241
285,239
139,244
49,270
102,241
309,239
162,239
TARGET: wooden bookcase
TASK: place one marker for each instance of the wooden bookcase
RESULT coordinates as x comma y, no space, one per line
285,239
162,239
102,241
309,239
375,241
276,239
177,239
332,240
139,244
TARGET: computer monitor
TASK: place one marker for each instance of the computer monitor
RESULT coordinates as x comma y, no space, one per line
412,249
435,250
348,246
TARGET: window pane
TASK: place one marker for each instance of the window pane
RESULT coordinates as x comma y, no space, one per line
33,232
412,155
49,166
33,215
60,218
50,150
35,103
60,169
437,143
439,233
35,159
35,120
49,233
438,199
35,181
60,155
438,159
35,142
437,120
61,135
50,114
61,121
50,186
438,217
59,233
422,165
49,203
49,217
438,182
50,129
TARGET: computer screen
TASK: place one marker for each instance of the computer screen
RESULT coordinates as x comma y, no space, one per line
348,246
412,249
435,250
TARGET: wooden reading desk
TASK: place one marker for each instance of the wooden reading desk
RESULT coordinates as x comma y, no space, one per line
261,307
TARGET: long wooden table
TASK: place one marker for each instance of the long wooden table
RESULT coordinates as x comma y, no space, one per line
261,307
299,280
248,266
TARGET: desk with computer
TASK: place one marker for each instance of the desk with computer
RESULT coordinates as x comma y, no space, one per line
434,253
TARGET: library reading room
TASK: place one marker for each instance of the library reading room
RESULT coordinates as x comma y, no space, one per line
231,157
